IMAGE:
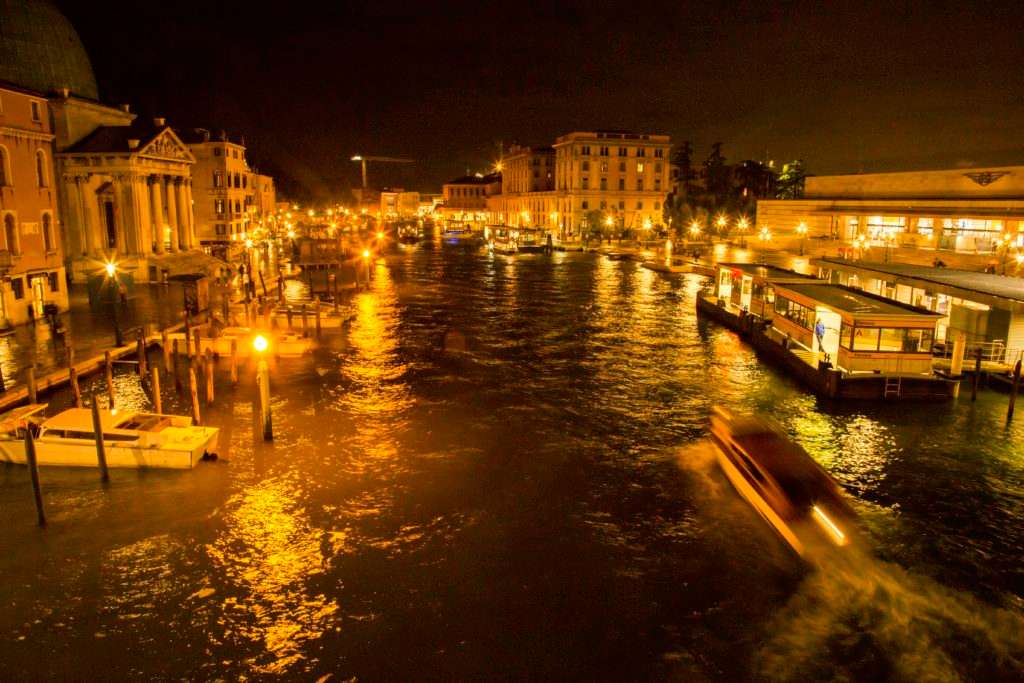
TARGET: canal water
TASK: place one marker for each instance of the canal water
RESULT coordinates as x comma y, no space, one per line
499,470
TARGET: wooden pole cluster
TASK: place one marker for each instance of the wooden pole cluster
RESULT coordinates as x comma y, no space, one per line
177,377
76,392
194,394
167,351
140,351
234,362
209,376
155,387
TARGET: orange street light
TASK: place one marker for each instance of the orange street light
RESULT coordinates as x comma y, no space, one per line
260,343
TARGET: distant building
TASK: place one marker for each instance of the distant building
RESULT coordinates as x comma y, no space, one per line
616,177
398,204
466,198
31,258
221,190
967,216
264,199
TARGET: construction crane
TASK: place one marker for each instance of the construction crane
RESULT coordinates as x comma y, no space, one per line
390,160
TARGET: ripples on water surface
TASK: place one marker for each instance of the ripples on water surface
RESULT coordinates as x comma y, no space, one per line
498,471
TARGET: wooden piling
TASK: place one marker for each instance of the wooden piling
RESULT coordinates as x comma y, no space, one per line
1013,390
158,404
30,380
97,430
188,329
140,351
288,313
316,312
263,386
977,376
70,355
198,353
76,392
33,469
209,376
108,364
166,350
194,392
3,386
234,362
305,322
177,377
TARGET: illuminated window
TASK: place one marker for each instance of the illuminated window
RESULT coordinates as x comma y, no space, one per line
604,167
640,167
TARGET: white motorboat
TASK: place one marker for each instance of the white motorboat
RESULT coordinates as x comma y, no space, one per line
131,439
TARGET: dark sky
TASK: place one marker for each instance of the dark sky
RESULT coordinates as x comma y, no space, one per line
846,87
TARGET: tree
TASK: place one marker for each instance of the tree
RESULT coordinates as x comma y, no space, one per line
791,180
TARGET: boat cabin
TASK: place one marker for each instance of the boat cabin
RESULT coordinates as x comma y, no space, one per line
750,286
857,332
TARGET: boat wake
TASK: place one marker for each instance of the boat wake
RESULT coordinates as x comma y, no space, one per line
856,617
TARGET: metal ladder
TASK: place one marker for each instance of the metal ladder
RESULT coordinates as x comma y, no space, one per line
893,385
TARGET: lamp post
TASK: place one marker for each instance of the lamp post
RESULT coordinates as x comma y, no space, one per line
802,231
111,271
366,264
721,222
260,345
741,227
694,230
765,236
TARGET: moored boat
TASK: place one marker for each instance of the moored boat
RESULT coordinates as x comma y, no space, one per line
281,343
131,439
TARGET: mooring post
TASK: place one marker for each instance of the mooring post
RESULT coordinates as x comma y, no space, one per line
158,404
30,380
199,353
33,469
76,392
166,348
141,353
316,312
108,363
234,362
97,430
1013,390
194,392
288,313
188,331
209,376
977,375
177,377
305,322
263,385
70,356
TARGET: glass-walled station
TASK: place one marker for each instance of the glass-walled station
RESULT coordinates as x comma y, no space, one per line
854,331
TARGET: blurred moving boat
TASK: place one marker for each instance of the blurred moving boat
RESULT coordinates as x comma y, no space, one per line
456,235
510,240
782,482
131,439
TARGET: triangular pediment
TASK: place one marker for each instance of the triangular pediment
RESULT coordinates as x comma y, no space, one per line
167,145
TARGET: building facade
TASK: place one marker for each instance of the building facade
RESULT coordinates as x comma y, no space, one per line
222,193
398,204
465,199
263,197
970,217
32,272
617,178
128,197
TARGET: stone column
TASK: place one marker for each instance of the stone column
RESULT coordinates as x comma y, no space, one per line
193,239
157,212
145,229
172,212
183,228
86,224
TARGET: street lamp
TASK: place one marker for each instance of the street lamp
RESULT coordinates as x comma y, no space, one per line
741,226
260,344
766,237
802,231
111,269
721,222
694,230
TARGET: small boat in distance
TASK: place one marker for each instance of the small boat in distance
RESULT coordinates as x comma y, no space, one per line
131,439
782,482
459,236
505,239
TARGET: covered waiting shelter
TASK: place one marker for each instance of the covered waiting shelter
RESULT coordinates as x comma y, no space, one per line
860,332
750,286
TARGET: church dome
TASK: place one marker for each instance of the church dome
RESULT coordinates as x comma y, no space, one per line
40,50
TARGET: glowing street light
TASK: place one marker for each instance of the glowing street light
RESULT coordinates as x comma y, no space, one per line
694,229
802,231
366,253
609,221
260,343
380,235
111,269
721,221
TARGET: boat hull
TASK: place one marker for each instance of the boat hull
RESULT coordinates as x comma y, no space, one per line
56,452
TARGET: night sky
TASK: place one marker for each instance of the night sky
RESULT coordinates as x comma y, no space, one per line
857,87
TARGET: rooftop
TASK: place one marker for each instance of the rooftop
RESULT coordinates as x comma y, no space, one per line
767,272
476,180
983,283
854,301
